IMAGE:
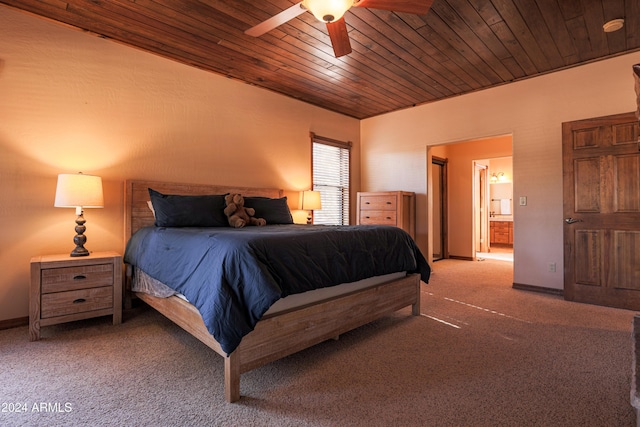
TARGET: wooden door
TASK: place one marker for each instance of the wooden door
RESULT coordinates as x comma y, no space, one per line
481,207
601,169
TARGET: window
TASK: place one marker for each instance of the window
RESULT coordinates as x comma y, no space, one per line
330,163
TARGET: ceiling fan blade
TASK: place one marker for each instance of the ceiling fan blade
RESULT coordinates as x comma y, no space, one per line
339,37
276,20
417,7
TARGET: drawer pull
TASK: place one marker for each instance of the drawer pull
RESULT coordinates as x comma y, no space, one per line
388,217
388,203
367,203
79,277
79,301
367,217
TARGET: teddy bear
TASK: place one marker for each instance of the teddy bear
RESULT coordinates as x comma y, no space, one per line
237,214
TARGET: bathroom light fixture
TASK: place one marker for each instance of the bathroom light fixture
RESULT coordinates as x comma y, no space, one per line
498,177
613,25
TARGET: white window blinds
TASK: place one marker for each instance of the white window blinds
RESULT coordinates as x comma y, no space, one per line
331,178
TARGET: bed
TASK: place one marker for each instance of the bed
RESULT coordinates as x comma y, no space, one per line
282,325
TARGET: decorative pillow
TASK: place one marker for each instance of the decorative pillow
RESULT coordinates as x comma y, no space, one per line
274,211
173,210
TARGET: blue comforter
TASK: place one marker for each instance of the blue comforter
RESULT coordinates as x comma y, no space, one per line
232,276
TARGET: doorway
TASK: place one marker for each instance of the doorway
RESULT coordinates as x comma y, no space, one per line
493,192
459,232
439,210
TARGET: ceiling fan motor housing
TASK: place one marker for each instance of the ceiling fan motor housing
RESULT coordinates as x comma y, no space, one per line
328,11
328,18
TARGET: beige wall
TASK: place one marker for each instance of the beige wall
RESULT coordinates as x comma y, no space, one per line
73,102
532,111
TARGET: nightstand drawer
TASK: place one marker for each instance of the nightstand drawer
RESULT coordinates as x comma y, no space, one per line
378,217
72,302
73,278
387,203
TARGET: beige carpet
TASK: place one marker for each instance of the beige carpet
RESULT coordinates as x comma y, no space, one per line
482,354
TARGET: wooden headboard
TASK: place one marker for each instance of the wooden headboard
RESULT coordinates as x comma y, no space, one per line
136,195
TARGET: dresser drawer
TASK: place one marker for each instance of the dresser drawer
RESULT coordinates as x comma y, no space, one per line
73,278
378,217
72,302
378,203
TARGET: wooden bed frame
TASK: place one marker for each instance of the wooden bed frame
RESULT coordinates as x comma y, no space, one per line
278,335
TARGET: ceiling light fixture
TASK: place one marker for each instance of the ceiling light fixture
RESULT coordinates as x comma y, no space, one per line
613,25
328,11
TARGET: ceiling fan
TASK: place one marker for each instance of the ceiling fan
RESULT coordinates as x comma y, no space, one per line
331,12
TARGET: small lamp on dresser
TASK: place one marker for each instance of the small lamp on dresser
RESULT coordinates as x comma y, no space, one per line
79,191
310,201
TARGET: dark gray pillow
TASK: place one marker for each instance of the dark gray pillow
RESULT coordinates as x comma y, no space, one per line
274,211
172,210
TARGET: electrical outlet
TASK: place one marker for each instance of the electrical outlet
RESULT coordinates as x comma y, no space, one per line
523,200
552,267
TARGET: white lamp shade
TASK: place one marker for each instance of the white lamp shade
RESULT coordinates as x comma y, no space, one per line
79,190
310,200
328,10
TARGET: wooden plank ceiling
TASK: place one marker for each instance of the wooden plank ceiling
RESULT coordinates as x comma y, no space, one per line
398,59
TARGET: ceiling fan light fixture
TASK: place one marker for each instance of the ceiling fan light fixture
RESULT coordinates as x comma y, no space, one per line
328,10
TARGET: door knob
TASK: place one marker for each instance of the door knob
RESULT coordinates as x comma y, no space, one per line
571,220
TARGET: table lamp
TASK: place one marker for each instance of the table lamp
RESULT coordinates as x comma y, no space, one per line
310,201
79,191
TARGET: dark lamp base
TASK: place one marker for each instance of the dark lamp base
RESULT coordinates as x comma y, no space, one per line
80,239
81,251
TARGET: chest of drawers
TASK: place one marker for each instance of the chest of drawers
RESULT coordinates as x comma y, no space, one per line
397,208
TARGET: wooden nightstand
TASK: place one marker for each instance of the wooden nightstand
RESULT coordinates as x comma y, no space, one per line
64,289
